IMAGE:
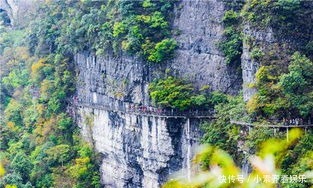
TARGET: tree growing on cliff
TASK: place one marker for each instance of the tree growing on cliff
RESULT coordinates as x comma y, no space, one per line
171,92
297,84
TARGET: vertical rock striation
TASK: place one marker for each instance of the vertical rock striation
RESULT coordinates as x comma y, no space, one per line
249,66
137,150
19,11
140,150
117,77
200,28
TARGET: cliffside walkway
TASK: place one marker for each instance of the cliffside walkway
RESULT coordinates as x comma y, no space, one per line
270,126
136,109
274,127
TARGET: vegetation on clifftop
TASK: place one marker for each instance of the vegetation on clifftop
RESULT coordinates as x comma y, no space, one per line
139,28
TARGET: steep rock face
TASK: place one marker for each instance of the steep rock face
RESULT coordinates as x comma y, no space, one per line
19,10
137,150
200,28
249,66
123,78
7,7
140,150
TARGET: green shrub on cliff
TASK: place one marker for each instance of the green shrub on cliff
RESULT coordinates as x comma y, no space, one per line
230,18
172,92
284,95
137,27
231,44
162,51
175,93
297,84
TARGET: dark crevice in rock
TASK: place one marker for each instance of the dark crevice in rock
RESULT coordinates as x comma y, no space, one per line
175,128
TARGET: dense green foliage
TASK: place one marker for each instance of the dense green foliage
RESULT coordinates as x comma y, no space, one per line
286,95
241,143
263,11
231,45
220,132
144,29
42,148
220,170
39,143
287,18
297,85
136,27
174,93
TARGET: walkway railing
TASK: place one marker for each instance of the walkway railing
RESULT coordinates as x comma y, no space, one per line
274,127
270,126
132,108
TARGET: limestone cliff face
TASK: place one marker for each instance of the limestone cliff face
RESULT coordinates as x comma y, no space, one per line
145,150
277,40
275,49
19,10
7,7
249,65
137,150
200,28
125,78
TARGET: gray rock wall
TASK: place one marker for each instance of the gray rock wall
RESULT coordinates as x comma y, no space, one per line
20,11
124,78
263,39
4,5
139,151
200,28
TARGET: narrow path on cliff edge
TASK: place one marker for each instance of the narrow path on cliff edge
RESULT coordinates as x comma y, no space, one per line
137,109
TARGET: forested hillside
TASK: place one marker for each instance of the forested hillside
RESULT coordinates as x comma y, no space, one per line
40,144
63,63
